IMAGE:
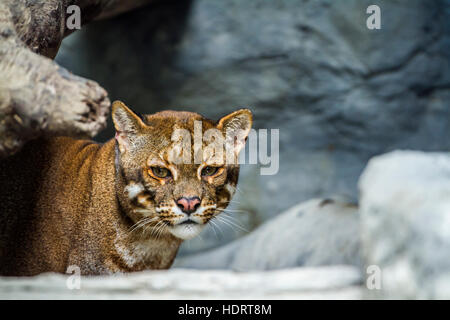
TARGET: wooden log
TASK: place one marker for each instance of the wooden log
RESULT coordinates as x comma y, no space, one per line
36,95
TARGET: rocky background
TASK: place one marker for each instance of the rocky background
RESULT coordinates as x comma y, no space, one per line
340,94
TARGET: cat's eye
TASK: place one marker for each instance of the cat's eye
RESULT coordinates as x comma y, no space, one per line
160,172
209,171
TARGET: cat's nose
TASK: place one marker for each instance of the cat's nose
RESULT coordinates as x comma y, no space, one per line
188,205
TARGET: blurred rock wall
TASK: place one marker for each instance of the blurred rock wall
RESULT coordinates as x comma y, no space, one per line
339,92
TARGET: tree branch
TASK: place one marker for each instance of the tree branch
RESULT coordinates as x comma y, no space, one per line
36,95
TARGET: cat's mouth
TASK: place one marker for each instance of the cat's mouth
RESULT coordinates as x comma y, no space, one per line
188,226
189,221
186,229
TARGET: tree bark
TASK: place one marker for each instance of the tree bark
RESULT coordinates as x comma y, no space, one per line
37,96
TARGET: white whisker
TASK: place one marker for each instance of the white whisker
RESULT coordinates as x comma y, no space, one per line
214,228
227,224
232,210
141,223
233,223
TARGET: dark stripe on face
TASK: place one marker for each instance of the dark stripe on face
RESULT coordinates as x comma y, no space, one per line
122,212
142,181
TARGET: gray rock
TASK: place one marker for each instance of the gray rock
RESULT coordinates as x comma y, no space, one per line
337,282
315,233
405,223
339,92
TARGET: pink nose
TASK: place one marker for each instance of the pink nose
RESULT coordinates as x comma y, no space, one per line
188,205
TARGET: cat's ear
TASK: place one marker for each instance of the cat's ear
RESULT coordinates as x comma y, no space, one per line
127,124
236,127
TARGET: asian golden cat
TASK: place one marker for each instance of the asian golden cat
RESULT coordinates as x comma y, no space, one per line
122,206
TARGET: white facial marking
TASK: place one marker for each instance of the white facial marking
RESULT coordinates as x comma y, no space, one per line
177,210
231,189
174,172
203,209
186,231
133,189
195,216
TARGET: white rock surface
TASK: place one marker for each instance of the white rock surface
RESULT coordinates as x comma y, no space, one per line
313,233
405,223
336,282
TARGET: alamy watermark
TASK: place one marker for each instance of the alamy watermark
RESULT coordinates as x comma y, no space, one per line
374,20
73,21
73,282
373,281
215,147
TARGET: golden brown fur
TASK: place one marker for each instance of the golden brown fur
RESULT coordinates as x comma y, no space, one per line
99,206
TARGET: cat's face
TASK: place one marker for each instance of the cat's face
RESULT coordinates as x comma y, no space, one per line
178,169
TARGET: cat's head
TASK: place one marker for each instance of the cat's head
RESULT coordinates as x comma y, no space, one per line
178,170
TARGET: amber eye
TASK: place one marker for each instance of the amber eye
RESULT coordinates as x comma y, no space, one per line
160,172
209,171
